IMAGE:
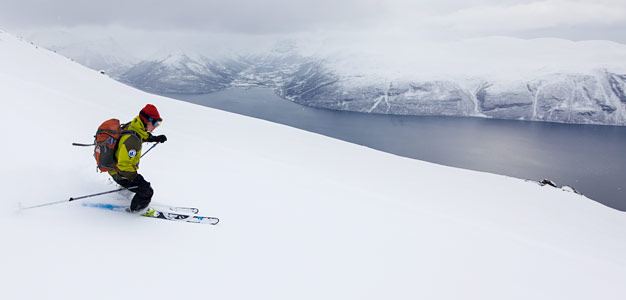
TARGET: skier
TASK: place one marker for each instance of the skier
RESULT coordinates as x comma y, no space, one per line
128,153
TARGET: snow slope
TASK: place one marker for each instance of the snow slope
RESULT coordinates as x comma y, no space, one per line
97,51
303,216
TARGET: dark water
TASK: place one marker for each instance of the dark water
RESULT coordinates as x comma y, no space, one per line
589,158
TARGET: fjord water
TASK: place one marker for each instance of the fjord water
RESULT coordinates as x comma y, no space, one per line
589,158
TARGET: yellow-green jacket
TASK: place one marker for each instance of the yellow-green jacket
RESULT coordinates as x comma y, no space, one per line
129,150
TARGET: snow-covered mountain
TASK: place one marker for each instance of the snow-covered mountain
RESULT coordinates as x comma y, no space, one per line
543,79
183,73
595,98
272,68
303,216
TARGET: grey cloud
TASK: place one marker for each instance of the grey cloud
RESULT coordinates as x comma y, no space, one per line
435,19
237,16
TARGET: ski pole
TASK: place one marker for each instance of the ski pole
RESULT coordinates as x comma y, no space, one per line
83,145
149,150
77,198
87,145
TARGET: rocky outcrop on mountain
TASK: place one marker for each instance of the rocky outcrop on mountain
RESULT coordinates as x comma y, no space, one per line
568,98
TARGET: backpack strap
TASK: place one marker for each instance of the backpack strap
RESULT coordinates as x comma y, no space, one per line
126,132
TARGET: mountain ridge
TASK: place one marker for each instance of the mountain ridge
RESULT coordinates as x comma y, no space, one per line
546,79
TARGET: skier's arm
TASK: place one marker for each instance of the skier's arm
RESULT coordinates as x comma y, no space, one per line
128,158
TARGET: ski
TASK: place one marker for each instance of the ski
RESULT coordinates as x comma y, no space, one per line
178,209
164,214
183,217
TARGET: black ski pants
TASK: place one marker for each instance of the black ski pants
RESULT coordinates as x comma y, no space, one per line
142,189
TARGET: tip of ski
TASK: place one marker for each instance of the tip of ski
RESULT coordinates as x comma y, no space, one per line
178,209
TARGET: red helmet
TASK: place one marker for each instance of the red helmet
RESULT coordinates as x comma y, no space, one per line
150,114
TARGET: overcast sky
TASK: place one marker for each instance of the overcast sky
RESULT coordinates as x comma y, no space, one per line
428,19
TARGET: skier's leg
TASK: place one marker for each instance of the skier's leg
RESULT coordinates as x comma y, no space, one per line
142,189
143,194
121,181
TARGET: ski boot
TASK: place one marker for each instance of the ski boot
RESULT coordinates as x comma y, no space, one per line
149,212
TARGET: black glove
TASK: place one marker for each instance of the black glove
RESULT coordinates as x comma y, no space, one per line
159,138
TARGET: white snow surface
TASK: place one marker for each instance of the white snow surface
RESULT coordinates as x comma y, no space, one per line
303,216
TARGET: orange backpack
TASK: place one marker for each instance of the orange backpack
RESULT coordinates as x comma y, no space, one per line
106,139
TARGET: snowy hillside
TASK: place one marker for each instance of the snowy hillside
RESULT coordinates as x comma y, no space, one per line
96,52
302,216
